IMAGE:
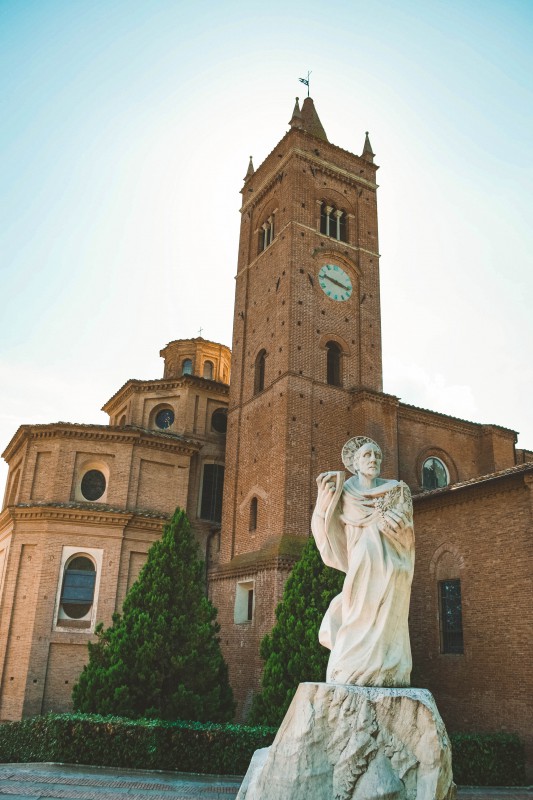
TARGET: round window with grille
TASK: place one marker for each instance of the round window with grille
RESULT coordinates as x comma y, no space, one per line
164,418
93,484
219,420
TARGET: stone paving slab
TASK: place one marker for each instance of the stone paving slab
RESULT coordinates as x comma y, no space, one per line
78,782
69,782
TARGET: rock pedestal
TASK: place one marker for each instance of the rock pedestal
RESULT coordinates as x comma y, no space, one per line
342,742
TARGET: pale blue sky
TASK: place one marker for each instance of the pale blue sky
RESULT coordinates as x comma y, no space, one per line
126,130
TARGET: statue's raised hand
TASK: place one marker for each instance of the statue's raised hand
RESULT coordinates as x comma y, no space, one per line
326,488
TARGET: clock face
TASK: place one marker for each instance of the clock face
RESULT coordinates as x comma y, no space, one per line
335,282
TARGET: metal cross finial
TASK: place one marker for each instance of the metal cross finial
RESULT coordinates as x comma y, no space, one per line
306,81
200,331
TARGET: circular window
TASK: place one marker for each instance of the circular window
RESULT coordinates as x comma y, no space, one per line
219,420
93,484
434,474
164,418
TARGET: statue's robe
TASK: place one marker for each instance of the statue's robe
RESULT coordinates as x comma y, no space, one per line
366,626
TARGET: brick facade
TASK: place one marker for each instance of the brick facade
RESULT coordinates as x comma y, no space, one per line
289,413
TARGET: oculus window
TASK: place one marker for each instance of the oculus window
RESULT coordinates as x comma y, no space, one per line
164,418
434,474
93,485
219,420
451,617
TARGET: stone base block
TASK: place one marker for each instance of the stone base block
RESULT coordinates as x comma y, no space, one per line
355,743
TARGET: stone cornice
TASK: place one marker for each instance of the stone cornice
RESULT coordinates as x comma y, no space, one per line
132,434
84,514
364,393
407,411
278,552
240,570
133,386
326,167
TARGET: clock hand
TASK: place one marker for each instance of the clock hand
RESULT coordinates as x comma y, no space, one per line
329,278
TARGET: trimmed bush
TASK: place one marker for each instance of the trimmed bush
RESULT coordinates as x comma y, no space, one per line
491,759
161,657
488,759
218,749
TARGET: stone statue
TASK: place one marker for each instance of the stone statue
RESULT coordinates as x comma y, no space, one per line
358,737
364,527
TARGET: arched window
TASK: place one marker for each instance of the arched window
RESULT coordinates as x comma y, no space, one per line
266,233
333,222
259,378
186,367
208,370
434,474
253,514
333,367
77,591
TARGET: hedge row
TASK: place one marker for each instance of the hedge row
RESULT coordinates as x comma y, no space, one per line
219,749
488,759
495,759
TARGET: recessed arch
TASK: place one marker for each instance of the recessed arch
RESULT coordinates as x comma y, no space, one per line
449,559
333,337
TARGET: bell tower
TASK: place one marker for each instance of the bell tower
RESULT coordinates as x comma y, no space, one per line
306,364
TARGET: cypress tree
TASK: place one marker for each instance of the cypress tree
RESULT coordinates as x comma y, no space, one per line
292,652
161,657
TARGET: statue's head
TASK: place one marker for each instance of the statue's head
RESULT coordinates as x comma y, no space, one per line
362,455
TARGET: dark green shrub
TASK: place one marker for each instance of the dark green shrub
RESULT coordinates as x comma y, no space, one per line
487,759
161,657
492,759
222,749
292,652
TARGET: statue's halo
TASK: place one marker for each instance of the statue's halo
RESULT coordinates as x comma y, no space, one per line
351,448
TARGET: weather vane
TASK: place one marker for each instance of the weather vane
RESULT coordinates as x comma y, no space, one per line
306,81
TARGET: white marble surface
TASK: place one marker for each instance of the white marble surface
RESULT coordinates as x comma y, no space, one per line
355,743
364,528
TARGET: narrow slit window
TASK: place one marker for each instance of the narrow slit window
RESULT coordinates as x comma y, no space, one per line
451,617
259,378
212,489
333,365
253,514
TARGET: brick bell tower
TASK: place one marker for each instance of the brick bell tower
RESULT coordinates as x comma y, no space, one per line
306,368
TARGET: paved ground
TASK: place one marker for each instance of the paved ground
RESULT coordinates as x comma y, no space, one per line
62,782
